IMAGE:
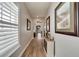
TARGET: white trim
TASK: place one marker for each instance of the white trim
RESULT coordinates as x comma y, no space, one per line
20,55
45,51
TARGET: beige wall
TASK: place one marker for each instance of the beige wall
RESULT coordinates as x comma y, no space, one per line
24,35
65,45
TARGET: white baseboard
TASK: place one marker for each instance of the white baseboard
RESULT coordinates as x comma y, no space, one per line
20,55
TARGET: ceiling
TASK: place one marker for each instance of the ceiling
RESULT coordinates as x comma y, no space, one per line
38,8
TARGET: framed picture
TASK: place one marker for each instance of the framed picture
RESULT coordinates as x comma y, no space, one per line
66,18
28,24
48,24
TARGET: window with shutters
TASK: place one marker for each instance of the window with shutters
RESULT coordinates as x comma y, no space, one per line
8,28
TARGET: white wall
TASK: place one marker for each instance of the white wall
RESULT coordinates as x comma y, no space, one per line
65,45
24,35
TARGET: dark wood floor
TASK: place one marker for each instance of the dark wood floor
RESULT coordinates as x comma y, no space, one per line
35,49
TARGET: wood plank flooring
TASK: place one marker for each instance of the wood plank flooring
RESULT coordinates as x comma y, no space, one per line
35,49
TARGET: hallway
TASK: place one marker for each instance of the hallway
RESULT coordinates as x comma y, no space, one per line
35,49
20,24
39,29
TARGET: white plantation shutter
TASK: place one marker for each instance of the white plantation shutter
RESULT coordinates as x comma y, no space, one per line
8,28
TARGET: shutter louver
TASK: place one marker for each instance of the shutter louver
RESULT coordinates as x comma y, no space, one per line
8,28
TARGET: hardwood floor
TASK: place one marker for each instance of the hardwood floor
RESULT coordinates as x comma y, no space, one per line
35,49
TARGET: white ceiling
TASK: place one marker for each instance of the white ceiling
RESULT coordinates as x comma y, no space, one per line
38,8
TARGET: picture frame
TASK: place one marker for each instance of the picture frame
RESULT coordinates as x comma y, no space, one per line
48,24
28,24
77,18
66,18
